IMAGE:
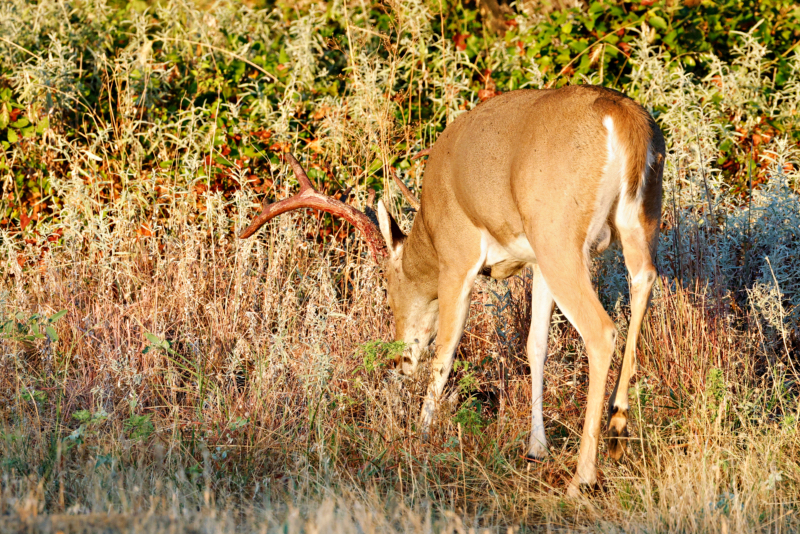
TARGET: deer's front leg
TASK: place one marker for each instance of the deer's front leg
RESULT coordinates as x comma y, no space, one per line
454,296
541,313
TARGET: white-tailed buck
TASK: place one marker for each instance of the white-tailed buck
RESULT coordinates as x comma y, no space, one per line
529,178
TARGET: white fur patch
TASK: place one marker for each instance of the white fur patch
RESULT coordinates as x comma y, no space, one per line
519,249
612,177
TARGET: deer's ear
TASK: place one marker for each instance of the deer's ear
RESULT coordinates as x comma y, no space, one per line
392,233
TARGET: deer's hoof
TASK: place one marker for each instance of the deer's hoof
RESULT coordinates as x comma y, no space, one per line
537,452
577,487
618,434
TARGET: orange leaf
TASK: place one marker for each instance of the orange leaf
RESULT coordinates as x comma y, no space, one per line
486,94
144,231
23,219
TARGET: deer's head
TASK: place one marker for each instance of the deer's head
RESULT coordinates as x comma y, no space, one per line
411,291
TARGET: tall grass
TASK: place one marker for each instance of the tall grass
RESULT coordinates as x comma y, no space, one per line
199,381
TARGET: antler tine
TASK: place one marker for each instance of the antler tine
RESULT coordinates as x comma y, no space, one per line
311,198
410,197
299,173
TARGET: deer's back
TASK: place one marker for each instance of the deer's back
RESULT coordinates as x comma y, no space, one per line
525,155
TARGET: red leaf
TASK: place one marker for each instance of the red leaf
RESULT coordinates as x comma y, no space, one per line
486,94
460,40
23,219
263,135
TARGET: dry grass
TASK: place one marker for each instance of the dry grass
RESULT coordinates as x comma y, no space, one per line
207,384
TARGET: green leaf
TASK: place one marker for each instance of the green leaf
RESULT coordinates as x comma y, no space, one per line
12,136
51,333
376,164
596,7
30,131
283,57
21,123
84,416
155,340
657,22
43,125
58,315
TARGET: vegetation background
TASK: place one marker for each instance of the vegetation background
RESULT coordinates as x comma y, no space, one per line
157,373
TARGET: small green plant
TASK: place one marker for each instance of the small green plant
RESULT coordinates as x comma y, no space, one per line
31,329
376,354
34,395
715,389
89,421
139,427
715,384
469,416
468,383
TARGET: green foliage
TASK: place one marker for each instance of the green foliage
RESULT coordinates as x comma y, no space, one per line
29,329
566,39
377,354
303,64
470,418
139,427
33,395
89,423
467,382
715,385
19,125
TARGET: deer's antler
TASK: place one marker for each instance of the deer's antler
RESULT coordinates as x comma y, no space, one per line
410,197
308,197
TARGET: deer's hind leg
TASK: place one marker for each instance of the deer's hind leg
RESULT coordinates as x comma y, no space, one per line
638,236
567,275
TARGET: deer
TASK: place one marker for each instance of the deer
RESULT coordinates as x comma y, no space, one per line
544,179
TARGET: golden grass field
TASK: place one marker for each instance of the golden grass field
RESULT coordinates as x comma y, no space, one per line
201,383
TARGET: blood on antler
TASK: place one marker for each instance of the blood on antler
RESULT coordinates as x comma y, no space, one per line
308,197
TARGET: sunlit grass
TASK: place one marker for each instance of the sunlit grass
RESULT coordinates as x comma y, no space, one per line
197,381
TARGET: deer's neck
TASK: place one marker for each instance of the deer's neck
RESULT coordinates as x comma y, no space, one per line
420,262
